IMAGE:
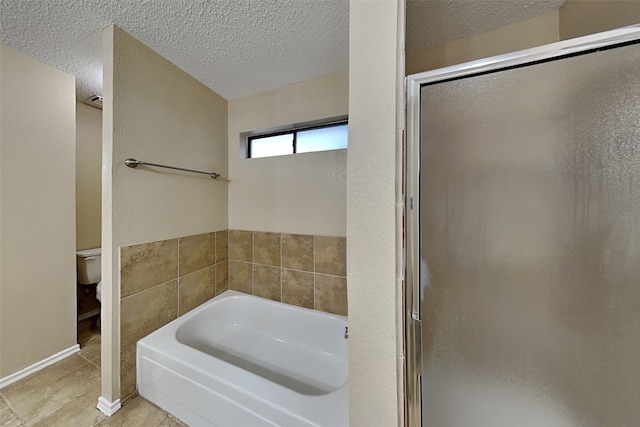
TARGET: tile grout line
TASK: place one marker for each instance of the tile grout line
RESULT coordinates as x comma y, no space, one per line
215,262
71,372
215,280
229,259
85,392
178,279
148,289
89,361
252,259
329,275
178,253
163,418
57,379
11,408
281,269
197,271
314,272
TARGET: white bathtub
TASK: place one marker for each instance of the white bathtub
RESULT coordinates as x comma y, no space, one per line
240,360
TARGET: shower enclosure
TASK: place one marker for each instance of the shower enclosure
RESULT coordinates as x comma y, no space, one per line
523,251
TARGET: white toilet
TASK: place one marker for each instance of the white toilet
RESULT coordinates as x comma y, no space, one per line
89,269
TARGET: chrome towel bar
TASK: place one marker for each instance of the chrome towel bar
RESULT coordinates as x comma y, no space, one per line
133,163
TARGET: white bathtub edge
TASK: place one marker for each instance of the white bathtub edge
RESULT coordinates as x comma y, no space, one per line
184,390
197,387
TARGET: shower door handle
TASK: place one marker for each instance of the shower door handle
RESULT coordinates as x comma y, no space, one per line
417,343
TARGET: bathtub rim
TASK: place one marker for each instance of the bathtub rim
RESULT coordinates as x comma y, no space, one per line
157,341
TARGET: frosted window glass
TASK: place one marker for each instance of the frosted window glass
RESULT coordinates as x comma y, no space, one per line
272,146
322,139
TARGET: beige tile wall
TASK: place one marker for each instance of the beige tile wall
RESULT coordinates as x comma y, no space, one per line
303,270
161,281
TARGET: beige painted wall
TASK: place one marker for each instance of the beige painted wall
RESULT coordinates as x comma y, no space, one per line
156,112
37,212
88,176
574,19
302,193
582,17
510,38
375,71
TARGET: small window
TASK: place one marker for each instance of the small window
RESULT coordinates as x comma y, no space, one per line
302,140
267,146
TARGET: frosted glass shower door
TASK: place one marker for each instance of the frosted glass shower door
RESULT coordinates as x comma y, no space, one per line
530,245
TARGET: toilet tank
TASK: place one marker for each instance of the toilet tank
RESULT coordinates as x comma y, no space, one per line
89,266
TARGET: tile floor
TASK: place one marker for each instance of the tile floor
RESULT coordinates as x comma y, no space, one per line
66,394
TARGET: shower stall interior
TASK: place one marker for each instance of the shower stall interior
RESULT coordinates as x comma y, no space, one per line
523,256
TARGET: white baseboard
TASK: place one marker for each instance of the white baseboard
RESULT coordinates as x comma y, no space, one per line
108,408
10,379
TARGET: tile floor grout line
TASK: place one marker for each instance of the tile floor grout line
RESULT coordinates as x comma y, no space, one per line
36,420
55,380
98,367
66,405
11,408
87,393
90,361
160,422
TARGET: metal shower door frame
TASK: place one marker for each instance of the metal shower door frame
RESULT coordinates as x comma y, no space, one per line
414,83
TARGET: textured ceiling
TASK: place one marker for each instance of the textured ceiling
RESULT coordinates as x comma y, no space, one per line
235,47
434,22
